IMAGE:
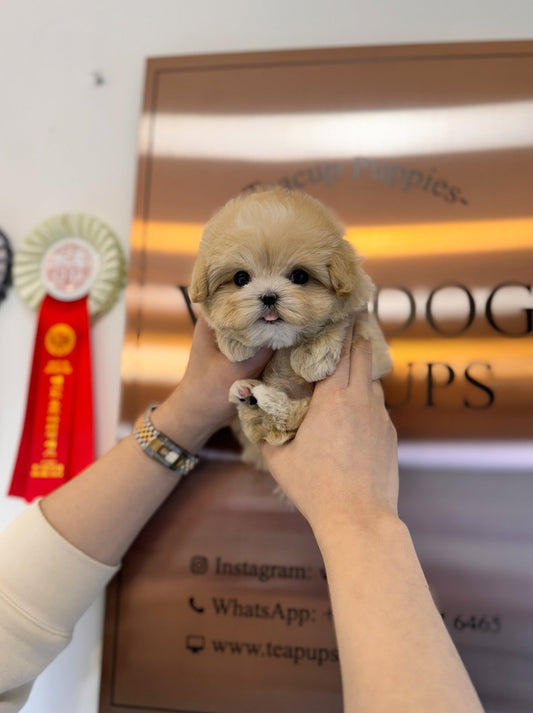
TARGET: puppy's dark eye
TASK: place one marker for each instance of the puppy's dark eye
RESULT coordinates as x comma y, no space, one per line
299,277
241,278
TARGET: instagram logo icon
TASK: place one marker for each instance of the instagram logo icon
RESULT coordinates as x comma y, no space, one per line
198,564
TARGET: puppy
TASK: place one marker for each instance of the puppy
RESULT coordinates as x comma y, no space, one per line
273,270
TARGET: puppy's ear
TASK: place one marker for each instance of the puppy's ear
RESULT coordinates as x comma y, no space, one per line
199,289
348,277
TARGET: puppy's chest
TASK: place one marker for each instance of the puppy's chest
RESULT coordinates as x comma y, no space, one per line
279,374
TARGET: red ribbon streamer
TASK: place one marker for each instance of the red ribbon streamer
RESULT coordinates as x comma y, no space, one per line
57,440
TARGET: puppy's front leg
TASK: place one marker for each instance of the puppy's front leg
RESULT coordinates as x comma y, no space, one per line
233,349
318,358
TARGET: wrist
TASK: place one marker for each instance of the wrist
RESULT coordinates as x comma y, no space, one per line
343,536
183,422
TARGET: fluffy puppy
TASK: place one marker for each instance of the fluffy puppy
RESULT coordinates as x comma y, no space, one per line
273,270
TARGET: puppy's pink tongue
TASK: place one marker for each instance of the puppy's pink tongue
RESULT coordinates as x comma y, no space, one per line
270,317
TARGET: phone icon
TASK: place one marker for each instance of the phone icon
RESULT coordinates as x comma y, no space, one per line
195,607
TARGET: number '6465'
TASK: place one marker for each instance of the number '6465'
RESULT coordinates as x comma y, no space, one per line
486,624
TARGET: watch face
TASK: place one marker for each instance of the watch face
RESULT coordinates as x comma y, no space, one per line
5,265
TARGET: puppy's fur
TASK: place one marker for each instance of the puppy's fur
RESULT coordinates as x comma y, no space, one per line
274,270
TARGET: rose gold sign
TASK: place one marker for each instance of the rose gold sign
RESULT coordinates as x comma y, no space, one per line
425,154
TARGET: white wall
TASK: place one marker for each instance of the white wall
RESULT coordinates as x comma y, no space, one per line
69,144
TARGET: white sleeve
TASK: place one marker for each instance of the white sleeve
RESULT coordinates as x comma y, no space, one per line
46,584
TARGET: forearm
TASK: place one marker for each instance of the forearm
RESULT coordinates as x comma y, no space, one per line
102,510
395,652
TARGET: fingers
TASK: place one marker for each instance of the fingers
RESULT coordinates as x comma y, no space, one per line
361,363
377,388
267,451
255,364
203,335
341,375
273,455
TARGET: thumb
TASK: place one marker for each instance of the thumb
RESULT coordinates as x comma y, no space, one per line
267,451
272,454
255,364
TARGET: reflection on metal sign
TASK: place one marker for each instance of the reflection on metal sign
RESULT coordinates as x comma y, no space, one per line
425,154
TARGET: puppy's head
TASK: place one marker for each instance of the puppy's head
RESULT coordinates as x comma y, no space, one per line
273,269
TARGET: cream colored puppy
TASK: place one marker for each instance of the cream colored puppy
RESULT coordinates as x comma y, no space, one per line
273,270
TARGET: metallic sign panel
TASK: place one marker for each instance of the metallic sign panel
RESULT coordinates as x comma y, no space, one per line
425,153
222,606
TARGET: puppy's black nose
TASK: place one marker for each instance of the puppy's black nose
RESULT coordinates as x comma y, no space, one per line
269,299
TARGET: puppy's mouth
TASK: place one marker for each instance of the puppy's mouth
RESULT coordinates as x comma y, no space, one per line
271,317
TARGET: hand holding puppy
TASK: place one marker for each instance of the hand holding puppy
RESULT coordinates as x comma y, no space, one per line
203,391
341,471
342,463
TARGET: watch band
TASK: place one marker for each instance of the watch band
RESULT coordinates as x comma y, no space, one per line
160,447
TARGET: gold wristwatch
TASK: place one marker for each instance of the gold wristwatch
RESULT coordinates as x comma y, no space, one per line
160,447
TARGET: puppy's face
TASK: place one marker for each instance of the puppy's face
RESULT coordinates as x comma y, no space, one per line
273,269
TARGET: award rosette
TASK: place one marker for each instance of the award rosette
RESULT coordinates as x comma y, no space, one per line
71,269
5,265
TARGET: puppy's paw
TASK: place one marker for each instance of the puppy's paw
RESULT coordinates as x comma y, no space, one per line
252,392
273,402
241,392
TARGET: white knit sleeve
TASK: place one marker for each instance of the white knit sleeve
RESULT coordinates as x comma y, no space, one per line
46,584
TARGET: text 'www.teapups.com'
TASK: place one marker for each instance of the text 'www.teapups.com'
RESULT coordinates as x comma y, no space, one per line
295,654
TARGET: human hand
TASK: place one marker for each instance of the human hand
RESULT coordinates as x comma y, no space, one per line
342,464
199,406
